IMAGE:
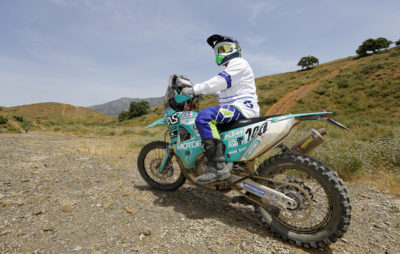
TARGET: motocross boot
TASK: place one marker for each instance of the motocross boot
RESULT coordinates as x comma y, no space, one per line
214,149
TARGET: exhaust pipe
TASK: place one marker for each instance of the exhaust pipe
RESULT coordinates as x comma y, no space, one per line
309,142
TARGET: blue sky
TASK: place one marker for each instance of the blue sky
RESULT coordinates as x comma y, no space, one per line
87,52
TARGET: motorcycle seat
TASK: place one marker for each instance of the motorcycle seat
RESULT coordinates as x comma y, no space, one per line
242,122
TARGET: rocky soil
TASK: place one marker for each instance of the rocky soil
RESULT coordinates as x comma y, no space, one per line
57,199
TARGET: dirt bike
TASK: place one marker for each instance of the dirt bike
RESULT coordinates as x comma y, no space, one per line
298,198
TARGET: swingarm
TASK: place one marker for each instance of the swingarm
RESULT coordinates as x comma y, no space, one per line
267,195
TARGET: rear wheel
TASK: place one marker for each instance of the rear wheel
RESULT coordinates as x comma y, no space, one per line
149,162
323,211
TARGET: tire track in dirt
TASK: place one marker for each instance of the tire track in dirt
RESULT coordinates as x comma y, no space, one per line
63,109
288,100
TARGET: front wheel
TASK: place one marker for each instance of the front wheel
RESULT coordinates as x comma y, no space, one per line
149,162
323,211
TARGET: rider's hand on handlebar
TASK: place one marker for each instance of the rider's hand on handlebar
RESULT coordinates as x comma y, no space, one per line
187,91
182,82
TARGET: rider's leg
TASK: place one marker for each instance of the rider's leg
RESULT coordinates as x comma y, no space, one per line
212,145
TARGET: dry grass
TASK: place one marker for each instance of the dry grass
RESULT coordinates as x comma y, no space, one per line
67,206
384,181
120,152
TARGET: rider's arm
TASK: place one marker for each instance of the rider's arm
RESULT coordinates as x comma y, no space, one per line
223,80
211,86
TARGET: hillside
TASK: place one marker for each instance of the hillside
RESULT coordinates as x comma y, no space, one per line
42,116
113,108
360,89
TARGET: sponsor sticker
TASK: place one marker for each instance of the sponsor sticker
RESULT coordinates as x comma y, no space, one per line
189,145
234,133
186,114
308,141
232,143
173,119
188,121
253,188
237,151
235,142
252,148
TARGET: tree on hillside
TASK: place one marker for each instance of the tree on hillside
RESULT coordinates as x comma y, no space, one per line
123,115
373,45
136,109
398,43
308,62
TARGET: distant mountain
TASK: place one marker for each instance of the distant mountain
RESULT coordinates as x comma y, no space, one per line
113,108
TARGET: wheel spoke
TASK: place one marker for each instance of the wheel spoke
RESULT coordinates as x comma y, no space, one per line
313,203
152,161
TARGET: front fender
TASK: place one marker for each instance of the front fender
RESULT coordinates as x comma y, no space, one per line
162,121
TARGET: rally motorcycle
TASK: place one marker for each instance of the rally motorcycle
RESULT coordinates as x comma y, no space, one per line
298,198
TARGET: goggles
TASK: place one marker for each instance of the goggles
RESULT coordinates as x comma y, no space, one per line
225,48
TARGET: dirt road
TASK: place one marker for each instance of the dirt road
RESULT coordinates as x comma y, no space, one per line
289,100
56,199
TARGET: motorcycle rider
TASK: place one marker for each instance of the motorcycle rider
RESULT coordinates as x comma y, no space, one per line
236,90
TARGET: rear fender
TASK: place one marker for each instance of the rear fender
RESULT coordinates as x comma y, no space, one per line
280,128
320,116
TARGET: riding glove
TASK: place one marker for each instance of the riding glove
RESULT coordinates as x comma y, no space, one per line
187,91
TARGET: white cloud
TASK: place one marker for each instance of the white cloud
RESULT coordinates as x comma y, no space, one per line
257,9
255,41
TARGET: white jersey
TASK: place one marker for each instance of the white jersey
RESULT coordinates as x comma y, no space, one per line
234,86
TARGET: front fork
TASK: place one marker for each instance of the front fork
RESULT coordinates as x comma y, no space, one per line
167,157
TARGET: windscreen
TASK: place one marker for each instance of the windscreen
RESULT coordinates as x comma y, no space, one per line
169,98
169,94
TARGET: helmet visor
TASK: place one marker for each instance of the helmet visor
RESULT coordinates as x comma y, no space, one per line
225,48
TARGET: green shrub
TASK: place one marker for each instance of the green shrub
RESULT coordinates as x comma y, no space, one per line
19,118
124,115
348,166
3,120
320,91
138,108
343,83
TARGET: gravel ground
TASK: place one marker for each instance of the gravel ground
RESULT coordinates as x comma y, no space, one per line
54,199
